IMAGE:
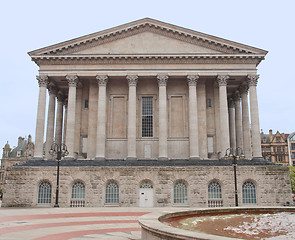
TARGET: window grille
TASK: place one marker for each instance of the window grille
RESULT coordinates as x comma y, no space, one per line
249,193
146,185
44,193
112,193
180,193
214,195
78,195
147,117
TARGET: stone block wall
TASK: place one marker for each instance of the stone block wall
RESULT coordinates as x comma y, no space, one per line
21,184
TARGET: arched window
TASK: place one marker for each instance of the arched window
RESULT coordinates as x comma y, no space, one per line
214,195
180,193
78,195
112,193
44,193
78,191
249,193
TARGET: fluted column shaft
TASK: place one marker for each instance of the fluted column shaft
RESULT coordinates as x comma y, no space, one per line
92,120
101,117
59,119
40,123
50,121
255,129
64,135
132,82
223,108
71,115
163,146
238,121
245,122
193,117
232,124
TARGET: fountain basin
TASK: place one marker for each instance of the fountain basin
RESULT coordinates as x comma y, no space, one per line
220,223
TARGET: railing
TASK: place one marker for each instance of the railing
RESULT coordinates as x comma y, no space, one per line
77,203
215,203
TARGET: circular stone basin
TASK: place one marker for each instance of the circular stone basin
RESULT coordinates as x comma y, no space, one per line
238,223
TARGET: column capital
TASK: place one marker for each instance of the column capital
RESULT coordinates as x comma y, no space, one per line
102,80
72,80
236,96
60,96
52,90
162,79
231,103
132,80
252,80
243,89
222,80
42,80
192,80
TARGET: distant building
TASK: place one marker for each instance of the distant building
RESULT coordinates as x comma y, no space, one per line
291,148
21,153
275,147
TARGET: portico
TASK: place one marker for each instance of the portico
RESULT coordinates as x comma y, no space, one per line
148,90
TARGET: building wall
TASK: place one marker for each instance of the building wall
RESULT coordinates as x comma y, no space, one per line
272,184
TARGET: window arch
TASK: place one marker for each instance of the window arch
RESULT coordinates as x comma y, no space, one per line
214,191
44,193
78,190
112,193
249,193
146,184
180,193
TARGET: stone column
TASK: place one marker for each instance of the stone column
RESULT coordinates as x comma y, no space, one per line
163,147
193,117
92,120
101,117
132,81
238,120
64,135
245,122
232,124
71,114
255,129
59,119
40,124
50,121
224,123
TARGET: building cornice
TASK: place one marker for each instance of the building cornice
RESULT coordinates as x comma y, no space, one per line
148,59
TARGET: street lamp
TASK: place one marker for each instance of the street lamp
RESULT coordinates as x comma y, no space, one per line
58,151
234,155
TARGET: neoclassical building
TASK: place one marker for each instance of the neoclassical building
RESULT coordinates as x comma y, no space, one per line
146,98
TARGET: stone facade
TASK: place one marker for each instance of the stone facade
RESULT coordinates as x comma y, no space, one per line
147,105
272,183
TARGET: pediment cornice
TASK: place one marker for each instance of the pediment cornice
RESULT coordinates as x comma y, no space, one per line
193,37
149,59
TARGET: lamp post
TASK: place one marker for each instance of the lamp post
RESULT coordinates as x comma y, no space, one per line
58,151
234,155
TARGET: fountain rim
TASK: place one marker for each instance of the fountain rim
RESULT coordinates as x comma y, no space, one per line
151,223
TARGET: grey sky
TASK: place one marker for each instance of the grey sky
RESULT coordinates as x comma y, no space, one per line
29,25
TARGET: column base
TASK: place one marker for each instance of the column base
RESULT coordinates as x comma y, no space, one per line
163,158
100,158
194,158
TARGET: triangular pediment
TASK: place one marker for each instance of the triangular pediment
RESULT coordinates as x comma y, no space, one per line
146,36
147,43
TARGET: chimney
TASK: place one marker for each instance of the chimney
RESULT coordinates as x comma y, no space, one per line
270,135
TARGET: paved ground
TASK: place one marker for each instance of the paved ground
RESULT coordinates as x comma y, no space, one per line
71,223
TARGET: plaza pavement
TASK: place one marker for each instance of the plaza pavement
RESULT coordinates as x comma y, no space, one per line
112,223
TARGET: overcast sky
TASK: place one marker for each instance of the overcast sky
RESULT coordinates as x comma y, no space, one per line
29,25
